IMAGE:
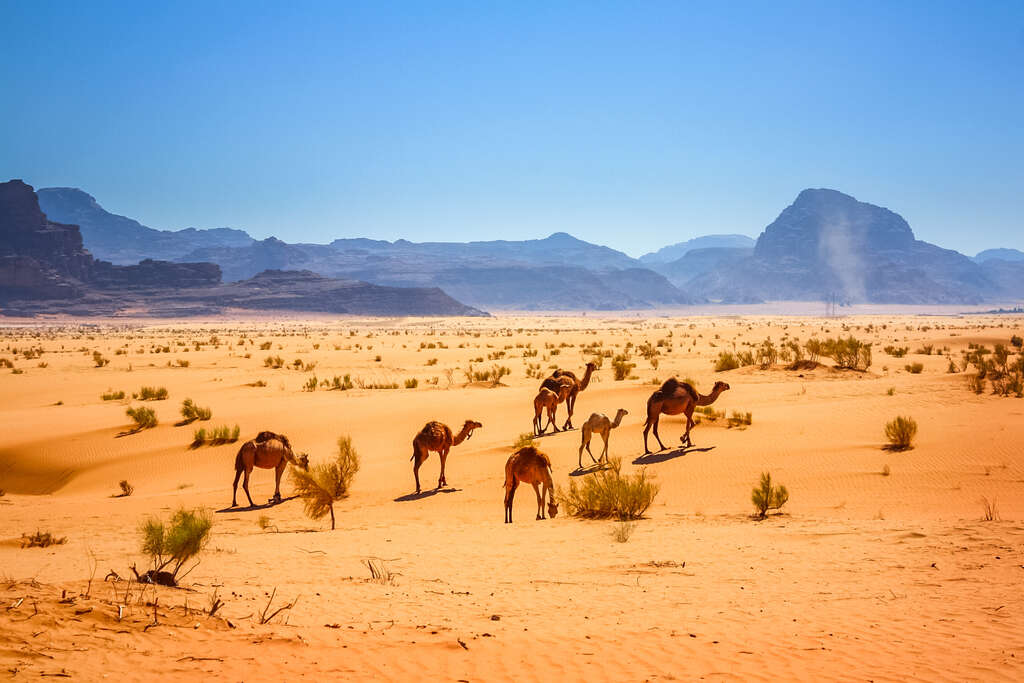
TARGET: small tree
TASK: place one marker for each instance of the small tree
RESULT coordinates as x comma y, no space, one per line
322,485
171,545
768,497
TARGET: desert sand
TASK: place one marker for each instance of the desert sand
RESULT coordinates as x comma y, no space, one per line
864,575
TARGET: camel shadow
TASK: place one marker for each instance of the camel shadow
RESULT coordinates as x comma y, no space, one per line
425,494
560,431
589,469
249,508
662,456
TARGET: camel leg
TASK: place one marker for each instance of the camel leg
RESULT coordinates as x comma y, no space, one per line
510,495
444,457
540,501
604,455
685,439
647,428
656,421
234,487
417,461
584,441
279,470
245,487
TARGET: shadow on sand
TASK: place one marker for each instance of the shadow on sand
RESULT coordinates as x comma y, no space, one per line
249,508
424,494
590,469
662,456
560,431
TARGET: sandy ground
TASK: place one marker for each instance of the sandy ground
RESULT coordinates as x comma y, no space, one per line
865,576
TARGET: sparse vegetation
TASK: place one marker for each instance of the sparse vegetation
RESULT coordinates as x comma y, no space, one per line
216,436
322,485
849,353
768,496
412,383
523,440
901,432
608,494
191,412
914,368
170,545
111,395
622,531
144,418
989,510
621,368
126,489
726,361
98,359
886,471
151,394
41,539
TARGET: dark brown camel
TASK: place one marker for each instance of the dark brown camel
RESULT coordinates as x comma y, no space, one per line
575,388
675,397
267,451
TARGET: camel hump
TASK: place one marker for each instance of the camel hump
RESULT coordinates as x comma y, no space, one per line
672,385
263,437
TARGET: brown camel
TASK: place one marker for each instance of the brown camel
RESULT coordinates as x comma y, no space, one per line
267,451
599,424
532,467
578,385
436,436
561,387
675,397
548,400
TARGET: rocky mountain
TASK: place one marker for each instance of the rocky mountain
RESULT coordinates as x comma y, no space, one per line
123,240
45,269
557,272
828,243
1000,254
697,262
674,252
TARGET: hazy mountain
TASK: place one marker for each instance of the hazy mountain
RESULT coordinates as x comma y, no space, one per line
697,262
674,252
122,240
1001,254
827,242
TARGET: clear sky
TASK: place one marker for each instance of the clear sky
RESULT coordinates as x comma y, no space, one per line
632,124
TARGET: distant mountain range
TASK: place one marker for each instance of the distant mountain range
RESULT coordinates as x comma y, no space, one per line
825,244
44,268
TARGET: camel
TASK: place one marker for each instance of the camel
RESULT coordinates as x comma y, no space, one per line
578,386
267,451
561,387
599,424
532,467
675,397
546,399
436,436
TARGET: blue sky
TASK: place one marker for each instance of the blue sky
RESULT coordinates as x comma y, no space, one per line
629,124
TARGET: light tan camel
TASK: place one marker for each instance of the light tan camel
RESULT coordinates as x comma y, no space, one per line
436,436
675,397
578,386
267,451
528,465
561,387
599,424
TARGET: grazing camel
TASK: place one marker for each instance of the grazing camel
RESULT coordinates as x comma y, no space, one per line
267,451
436,436
532,467
675,397
578,385
599,424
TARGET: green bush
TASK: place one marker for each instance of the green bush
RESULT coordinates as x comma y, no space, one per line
322,485
311,384
412,383
914,368
98,359
901,433
111,395
151,394
897,351
274,362
621,369
849,353
608,494
216,436
768,496
191,412
171,545
726,361
144,418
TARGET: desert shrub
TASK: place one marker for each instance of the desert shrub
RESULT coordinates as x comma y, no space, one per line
900,433
891,391
726,361
41,539
740,419
814,349
412,383
523,440
767,354
265,346
925,350
1016,341
98,359
608,494
976,383
337,383
849,353
324,484
182,363
216,436
151,394
6,363
896,351
170,545
768,496
144,418
126,489
191,412
989,510
274,362
111,395
952,368
622,531
311,384
914,368
621,369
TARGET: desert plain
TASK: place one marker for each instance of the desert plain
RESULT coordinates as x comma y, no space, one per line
882,565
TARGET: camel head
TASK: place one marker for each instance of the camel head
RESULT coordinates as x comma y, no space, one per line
552,509
301,461
592,366
469,426
720,387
